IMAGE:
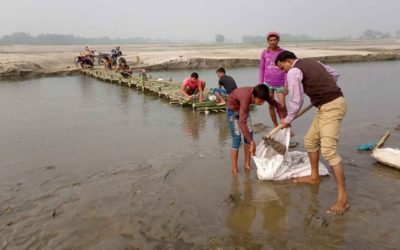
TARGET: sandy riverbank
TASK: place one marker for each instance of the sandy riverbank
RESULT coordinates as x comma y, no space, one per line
35,61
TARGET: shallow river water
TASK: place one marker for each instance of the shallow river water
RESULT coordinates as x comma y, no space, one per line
91,165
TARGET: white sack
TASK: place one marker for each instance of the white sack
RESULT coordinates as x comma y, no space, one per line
273,166
387,156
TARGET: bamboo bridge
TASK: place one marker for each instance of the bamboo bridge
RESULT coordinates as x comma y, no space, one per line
167,89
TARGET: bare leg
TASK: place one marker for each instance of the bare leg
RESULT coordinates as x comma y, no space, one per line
220,99
234,158
187,93
272,112
281,99
247,155
201,94
314,177
342,204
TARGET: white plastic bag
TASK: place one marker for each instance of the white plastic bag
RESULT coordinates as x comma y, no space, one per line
273,166
387,156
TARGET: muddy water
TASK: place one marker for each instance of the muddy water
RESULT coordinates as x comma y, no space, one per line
90,165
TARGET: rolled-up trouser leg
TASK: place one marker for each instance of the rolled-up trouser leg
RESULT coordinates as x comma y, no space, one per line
330,117
312,139
233,118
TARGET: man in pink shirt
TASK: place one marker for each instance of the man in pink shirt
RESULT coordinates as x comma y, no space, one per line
271,75
193,87
318,81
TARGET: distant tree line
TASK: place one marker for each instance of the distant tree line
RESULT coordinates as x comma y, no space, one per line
20,38
375,34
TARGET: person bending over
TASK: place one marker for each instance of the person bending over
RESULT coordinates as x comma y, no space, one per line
238,113
192,87
318,81
226,85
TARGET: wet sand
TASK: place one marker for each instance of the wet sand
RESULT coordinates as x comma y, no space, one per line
90,165
35,61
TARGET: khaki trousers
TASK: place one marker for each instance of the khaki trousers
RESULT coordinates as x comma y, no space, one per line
323,134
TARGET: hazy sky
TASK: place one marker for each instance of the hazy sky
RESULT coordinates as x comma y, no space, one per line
200,20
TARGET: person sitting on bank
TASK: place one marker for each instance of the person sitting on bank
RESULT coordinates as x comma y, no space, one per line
318,81
238,112
192,87
115,54
226,86
123,68
87,52
143,74
87,63
108,64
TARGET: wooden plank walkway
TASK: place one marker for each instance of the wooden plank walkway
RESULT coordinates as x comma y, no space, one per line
164,89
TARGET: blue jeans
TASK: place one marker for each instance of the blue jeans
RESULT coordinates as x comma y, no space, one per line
221,91
233,118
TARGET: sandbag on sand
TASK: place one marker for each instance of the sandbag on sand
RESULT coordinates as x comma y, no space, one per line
273,166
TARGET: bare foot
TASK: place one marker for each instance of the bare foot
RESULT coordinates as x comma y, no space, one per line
339,208
247,168
306,179
220,103
235,171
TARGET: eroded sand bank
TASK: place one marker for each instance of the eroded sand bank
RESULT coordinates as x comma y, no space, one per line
35,61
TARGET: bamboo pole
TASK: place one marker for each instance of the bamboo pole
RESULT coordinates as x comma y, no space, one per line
383,139
210,108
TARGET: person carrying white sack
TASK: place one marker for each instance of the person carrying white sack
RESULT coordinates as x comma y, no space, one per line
318,81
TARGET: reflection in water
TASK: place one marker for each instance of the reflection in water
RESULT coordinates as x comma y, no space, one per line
275,215
272,225
88,89
124,95
221,123
313,207
193,124
317,220
242,214
145,106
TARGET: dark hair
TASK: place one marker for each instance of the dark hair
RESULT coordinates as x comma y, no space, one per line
122,60
277,37
195,75
221,70
285,55
261,91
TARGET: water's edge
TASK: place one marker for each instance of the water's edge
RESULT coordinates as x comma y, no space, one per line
24,71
